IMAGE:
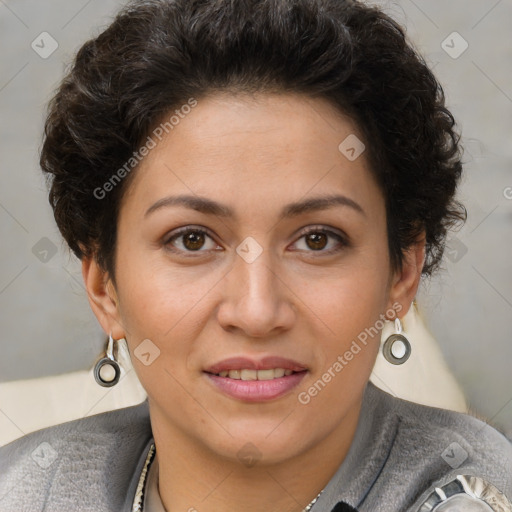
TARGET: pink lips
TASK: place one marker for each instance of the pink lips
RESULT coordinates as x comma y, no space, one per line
256,390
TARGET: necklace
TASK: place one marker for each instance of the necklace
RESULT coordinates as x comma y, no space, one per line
141,486
308,508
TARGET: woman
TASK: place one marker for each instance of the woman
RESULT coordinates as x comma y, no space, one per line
254,188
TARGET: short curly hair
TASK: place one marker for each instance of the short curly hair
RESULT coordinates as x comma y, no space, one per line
156,54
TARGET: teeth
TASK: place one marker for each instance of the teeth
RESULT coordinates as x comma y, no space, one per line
265,374
234,374
246,374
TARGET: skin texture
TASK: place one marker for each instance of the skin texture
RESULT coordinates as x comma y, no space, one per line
254,154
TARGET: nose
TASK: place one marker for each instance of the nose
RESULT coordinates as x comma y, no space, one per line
256,299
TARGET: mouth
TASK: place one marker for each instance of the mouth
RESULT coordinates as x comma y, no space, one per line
250,374
249,380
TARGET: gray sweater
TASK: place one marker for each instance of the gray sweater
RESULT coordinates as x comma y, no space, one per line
401,451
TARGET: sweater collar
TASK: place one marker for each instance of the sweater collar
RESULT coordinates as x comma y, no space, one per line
375,433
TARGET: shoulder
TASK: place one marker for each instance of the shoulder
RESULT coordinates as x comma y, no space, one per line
433,446
90,457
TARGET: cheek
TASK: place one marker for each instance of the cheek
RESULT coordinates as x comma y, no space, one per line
350,294
164,307
169,305
155,295
348,344
348,308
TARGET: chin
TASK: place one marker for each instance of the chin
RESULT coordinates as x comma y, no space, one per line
262,443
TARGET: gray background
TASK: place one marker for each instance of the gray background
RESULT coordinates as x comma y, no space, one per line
46,323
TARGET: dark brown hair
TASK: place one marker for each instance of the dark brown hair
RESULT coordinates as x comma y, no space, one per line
157,54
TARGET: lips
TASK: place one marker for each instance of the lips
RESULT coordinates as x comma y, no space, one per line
266,363
251,380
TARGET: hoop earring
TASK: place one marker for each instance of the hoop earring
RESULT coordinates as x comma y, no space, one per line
107,370
397,348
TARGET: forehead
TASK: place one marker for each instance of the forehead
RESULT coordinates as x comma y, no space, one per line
256,149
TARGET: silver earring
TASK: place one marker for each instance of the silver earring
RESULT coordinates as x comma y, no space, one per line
107,370
397,348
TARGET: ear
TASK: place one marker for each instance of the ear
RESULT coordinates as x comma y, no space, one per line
102,297
405,281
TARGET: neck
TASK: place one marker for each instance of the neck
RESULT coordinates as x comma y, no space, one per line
193,478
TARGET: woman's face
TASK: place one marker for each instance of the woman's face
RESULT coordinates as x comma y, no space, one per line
231,272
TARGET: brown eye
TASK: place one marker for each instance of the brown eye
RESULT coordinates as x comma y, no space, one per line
316,241
193,240
188,240
321,240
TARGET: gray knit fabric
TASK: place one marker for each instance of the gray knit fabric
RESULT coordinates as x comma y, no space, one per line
401,450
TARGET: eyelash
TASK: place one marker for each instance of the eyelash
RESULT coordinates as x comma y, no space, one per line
312,229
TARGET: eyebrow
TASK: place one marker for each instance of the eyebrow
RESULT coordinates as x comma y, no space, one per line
210,207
